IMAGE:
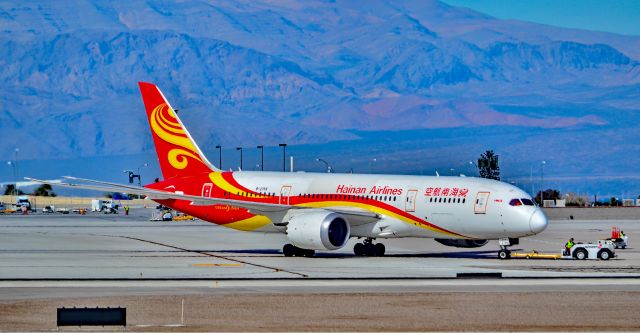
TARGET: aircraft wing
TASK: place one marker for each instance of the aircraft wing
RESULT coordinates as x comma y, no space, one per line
356,216
164,195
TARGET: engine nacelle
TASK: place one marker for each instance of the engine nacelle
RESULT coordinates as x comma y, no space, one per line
462,242
318,230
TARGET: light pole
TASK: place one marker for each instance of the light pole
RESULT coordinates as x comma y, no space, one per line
145,164
13,167
472,163
451,171
17,170
325,163
542,183
132,175
240,149
261,147
531,180
219,147
373,160
284,156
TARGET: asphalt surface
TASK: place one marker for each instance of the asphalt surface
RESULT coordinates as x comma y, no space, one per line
48,261
99,246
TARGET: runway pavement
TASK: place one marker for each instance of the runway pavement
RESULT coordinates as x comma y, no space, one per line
238,281
98,246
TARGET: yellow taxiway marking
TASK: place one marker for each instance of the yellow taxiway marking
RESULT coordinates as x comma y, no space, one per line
216,265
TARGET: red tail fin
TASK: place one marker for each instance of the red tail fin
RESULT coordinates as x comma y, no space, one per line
178,154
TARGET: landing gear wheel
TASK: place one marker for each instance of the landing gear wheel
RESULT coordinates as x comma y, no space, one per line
369,249
307,253
504,254
289,250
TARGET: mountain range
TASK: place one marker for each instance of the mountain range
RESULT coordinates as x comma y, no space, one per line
420,84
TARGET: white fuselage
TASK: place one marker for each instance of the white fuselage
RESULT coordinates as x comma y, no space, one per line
469,207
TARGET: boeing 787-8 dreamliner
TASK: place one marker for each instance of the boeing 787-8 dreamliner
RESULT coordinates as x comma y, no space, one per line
321,211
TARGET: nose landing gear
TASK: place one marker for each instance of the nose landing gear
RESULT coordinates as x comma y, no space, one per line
504,252
368,249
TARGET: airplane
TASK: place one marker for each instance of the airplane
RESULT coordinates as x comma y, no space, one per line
322,211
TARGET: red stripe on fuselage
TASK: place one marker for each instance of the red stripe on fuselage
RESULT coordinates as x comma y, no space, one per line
228,176
222,214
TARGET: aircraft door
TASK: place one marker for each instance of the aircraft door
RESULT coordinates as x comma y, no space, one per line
206,190
410,201
480,206
285,191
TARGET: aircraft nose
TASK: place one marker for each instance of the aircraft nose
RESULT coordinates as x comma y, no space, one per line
538,221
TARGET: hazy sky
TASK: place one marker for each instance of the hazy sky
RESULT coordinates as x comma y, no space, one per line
620,16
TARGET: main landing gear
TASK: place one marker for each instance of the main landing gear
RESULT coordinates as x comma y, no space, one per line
290,250
368,249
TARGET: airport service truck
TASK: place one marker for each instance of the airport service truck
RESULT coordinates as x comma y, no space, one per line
23,200
106,206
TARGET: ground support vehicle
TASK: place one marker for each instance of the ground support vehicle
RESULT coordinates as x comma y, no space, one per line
183,217
603,249
62,210
81,211
620,241
23,200
105,206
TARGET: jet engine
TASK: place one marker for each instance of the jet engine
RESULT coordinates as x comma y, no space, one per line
462,242
318,230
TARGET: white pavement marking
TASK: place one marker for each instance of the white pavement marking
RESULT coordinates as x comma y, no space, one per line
307,283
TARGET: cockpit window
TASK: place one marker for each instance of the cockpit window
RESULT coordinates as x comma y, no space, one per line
515,202
527,202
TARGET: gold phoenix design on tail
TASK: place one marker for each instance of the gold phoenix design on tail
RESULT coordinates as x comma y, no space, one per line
165,126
